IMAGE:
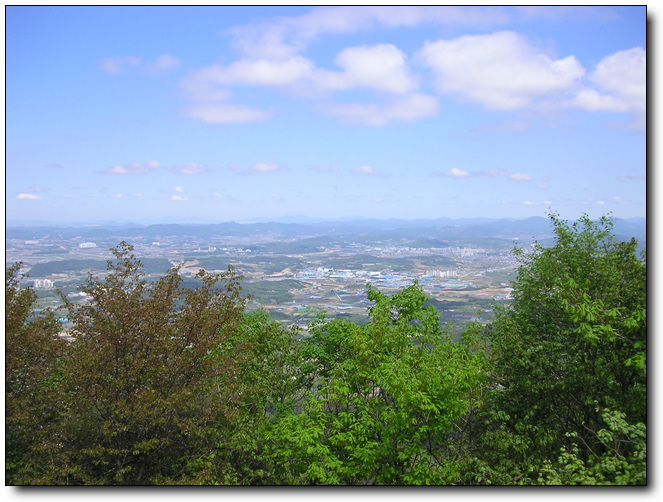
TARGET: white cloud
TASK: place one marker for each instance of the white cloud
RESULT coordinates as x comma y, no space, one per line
134,168
408,108
502,71
624,74
520,177
559,12
28,196
621,84
264,167
489,173
119,64
533,203
223,113
283,37
261,72
203,89
116,195
197,89
178,189
380,67
137,195
593,101
458,173
179,198
165,62
189,168
412,107
368,170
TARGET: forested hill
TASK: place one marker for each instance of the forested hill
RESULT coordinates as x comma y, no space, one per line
442,228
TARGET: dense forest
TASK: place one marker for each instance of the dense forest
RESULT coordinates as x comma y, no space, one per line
167,383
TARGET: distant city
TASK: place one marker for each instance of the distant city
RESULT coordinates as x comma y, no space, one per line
298,271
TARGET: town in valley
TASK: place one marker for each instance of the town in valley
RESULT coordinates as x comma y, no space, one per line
299,272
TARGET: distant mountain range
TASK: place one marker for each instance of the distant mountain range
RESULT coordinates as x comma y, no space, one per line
365,229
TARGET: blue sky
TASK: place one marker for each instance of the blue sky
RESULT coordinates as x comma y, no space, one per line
234,113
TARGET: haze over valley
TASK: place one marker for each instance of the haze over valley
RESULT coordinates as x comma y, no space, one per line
298,271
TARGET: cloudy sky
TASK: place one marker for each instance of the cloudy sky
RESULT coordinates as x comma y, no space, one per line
234,113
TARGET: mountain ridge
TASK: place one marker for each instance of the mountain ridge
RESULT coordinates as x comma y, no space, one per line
504,228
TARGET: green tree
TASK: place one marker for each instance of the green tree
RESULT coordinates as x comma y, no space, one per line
33,353
267,365
390,400
568,353
146,393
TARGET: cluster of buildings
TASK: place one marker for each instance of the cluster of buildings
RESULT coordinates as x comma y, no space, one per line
442,273
462,251
330,273
386,278
42,284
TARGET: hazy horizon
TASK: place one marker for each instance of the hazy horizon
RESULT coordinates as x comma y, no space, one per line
288,219
219,114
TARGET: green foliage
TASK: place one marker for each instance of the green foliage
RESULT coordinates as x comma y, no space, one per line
172,382
267,361
141,383
267,292
573,343
390,403
32,370
273,264
148,266
623,461
303,246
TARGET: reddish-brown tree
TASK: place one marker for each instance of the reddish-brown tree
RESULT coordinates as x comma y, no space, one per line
146,392
32,357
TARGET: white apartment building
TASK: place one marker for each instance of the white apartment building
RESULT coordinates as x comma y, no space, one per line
442,273
42,283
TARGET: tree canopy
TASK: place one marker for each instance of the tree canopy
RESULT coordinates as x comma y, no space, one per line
169,384
569,356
